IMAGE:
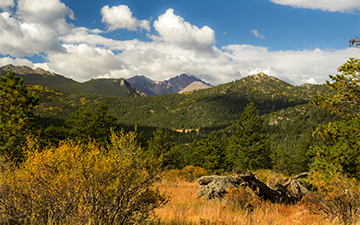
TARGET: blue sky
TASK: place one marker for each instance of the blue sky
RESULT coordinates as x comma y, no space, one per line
299,41
284,27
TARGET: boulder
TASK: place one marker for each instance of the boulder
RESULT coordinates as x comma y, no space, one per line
215,187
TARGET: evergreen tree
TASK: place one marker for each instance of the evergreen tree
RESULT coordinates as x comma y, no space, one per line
161,145
207,154
16,118
249,147
52,135
161,142
88,123
301,161
346,101
292,158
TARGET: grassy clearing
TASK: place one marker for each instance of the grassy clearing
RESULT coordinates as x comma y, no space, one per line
185,208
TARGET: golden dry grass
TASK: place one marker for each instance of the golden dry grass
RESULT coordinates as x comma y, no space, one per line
185,208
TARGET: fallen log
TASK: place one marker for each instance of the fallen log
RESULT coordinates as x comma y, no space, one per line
215,187
280,194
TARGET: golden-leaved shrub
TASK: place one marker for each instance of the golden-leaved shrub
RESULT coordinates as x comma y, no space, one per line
77,184
336,196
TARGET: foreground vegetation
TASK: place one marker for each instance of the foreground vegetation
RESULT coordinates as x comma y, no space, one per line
81,184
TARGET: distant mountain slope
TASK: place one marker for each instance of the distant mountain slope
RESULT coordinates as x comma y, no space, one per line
111,87
213,108
40,76
173,85
144,84
196,85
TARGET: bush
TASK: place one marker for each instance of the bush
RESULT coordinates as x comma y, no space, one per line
77,184
336,196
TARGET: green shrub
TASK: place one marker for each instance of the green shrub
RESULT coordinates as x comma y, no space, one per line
77,184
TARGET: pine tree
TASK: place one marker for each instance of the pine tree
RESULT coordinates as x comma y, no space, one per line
88,123
346,101
16,118
161,142
207,154
161,145
249,147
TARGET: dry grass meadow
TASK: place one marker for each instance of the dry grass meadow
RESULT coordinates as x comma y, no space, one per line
185,208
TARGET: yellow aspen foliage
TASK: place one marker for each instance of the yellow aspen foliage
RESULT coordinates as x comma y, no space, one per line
82,184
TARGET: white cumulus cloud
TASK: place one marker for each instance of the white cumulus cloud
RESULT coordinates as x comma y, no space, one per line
49,13
345,6
162,60
82,62
16,62
120,17
173,29
33,27
20,39
296,67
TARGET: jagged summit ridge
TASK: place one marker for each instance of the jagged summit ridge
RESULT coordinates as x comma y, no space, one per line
173,85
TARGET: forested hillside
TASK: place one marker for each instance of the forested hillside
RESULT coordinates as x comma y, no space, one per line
219,106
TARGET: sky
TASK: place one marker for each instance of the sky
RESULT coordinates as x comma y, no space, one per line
298,41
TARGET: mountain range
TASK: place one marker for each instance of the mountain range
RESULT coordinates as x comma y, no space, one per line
214,107
119,87
182,83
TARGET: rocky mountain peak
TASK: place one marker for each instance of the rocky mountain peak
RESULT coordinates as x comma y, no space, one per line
259,75
196,85
173,85
25,70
